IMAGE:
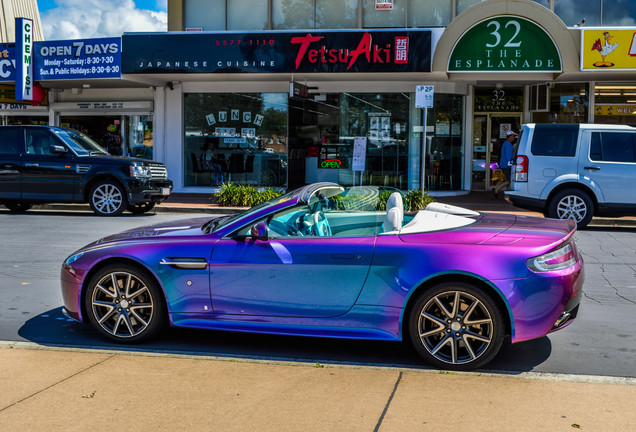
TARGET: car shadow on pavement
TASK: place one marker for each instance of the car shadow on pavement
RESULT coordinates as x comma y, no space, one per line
53,328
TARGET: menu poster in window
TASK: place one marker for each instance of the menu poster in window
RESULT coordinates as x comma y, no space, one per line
385,135
375,122
359,153
386,123
373,135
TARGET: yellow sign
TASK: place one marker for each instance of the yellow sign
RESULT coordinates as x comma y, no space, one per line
608,49
615,110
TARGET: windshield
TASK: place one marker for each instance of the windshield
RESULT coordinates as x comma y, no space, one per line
80,143
219,223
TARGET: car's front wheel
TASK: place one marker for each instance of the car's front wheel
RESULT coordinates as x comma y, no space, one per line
125,304
18,207
108,198
572,204
456,326
141,208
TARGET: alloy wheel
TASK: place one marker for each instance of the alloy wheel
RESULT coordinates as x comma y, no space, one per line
572,207
122,304
455,327
107,199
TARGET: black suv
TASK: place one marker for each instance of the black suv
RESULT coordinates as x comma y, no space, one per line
41,164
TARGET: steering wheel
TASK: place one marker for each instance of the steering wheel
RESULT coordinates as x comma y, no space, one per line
321,225
284,229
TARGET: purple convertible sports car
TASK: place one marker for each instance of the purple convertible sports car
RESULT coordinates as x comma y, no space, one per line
330,261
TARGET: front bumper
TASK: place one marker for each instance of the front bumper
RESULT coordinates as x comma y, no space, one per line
149,191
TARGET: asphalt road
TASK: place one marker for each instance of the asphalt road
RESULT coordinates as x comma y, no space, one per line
602,341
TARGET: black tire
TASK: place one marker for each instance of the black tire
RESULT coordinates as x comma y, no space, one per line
125,304
458,338
18,207
108,198
141,208
572,204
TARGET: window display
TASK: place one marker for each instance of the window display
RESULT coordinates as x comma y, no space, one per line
236,137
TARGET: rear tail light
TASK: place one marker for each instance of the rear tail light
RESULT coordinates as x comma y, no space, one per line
521,169
559,259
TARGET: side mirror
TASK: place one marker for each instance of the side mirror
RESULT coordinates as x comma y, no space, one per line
259,231
57,149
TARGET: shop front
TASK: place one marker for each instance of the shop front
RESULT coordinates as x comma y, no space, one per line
283,109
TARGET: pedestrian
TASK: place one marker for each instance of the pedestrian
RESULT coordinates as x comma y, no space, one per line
505,162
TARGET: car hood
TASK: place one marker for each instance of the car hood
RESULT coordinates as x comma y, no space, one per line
180,228
500,229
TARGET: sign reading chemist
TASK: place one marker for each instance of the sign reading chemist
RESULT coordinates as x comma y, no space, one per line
505,44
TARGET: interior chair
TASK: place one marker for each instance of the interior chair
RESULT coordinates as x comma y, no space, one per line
394,213
196,168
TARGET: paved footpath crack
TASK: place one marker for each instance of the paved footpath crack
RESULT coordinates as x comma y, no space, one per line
54,384
388,403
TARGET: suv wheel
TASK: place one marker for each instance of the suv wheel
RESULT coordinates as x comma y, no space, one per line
18,207
141,208
572,204
108,198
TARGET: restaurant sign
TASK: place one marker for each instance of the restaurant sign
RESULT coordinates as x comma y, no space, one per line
505,44
278,52
608,49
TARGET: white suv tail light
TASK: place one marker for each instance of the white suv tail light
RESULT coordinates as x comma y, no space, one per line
521,169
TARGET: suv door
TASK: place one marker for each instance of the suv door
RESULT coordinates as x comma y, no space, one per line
46,175
611,164
11,145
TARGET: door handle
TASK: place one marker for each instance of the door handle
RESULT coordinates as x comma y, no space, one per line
592,168
31,164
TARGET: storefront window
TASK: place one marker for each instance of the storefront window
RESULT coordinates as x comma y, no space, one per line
105,130
138,136
433,13
568,104
336,14
615,103
208,15
236,137
238,19
24,120
444,147
372,17
383,119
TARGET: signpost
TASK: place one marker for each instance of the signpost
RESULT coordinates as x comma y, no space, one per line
424,99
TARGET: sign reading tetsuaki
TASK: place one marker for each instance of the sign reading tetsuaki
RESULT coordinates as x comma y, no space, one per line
505,44
276,52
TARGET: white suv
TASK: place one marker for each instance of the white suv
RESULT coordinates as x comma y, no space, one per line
576,171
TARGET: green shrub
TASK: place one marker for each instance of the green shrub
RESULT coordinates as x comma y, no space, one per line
417,200
233,195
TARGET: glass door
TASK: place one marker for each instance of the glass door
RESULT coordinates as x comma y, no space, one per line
489,132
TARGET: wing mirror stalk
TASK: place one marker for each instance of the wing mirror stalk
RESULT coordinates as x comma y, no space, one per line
259,231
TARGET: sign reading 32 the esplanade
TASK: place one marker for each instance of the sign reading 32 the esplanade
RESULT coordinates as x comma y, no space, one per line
505,44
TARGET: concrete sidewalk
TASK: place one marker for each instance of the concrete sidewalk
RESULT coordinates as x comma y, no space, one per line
79,390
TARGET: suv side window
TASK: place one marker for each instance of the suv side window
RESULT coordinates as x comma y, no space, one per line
554,140
10,141
613,147
38,142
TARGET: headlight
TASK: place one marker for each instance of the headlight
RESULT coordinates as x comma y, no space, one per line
73,258
140,171
556,260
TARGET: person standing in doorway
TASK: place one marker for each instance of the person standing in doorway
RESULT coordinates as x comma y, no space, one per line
505,162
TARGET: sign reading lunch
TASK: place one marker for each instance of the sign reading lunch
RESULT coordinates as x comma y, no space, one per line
505,44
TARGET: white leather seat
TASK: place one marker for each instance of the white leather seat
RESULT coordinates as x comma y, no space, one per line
394,213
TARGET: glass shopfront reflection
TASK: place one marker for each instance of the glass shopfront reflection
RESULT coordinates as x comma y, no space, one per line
236,137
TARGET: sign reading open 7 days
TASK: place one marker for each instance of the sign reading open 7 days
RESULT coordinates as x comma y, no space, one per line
505,44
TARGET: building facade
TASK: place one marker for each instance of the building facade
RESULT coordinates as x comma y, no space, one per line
299,91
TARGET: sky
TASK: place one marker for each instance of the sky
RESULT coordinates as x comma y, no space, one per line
81,19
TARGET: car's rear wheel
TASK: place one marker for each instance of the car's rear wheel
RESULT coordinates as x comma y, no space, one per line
125,304
456,326
141,208
572,204
108,198
18,207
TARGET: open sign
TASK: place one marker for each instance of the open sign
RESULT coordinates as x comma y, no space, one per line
330,164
